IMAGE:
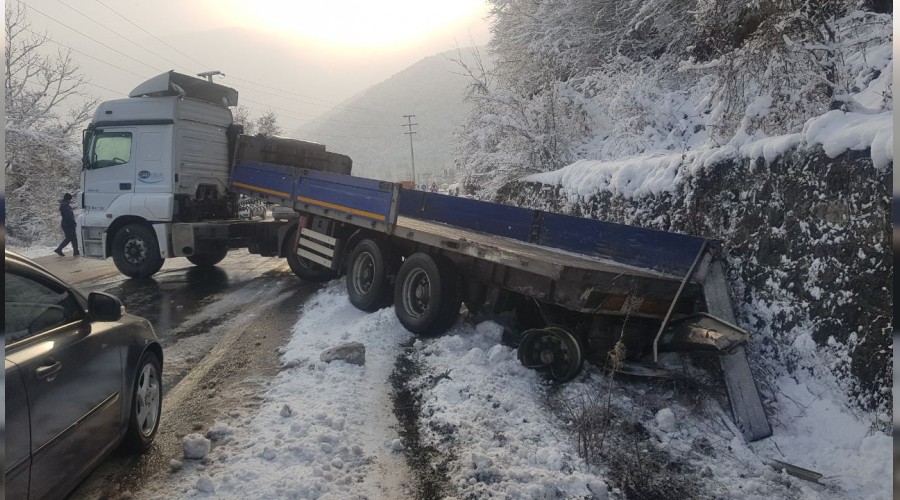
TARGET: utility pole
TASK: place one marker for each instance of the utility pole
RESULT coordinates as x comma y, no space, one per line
410,133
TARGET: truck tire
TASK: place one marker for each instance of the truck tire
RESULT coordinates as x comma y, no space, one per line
303,268
426,294
371,266
552,350
208,259
136,251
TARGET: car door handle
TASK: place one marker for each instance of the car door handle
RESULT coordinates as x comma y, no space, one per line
46,371
125,186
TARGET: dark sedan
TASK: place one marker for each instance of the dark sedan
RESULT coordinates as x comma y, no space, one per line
82,377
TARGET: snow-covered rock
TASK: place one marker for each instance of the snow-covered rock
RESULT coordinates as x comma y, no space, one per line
218,432
665,420
351,352
196,446
205,484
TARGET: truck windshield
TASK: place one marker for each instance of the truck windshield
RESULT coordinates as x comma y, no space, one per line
110,149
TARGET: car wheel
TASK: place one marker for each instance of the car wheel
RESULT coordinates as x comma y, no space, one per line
371,265
146,405
303,268
426,294
136,251
209,259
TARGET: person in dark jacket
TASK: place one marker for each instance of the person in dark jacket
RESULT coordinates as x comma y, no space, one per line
68,226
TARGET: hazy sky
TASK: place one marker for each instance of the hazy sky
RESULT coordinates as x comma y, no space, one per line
299,58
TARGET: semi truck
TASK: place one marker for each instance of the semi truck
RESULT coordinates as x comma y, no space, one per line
579,288
156,184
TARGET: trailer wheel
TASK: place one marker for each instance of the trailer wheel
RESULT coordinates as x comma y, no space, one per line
371,265
426,294
136,251
303,268
209,259
552,350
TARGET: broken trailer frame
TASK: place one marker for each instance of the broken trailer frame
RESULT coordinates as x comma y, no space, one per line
591,283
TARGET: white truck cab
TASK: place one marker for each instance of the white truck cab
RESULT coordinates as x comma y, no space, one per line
157,158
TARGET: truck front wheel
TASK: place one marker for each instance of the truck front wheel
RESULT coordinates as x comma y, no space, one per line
209,259
426,294
303,268
136,251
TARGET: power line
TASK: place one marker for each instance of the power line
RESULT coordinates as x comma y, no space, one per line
328,119
319,119
86,54
151,34
329,104
87,36
288,112
98,23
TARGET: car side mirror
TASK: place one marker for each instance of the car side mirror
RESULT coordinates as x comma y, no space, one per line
104,307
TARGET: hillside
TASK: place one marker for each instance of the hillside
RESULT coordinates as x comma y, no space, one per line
368,127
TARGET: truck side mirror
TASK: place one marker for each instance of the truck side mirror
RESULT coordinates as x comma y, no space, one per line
87,137
85,146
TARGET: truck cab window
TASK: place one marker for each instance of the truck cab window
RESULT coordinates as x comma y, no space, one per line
110,149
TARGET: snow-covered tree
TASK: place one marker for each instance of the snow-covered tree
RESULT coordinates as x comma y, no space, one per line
266,124
587,79
46,106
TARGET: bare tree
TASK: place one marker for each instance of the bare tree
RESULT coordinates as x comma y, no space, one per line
268,124
242,117
45,106
44,93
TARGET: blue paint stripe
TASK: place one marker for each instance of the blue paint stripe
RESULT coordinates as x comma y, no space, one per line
666,252
366,195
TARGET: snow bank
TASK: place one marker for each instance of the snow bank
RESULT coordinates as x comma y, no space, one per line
836,132
487,413
632,177
335,439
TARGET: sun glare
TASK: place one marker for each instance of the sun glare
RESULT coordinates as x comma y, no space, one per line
355,23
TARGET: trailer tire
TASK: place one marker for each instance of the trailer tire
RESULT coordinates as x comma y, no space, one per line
552,350
303,268
135,251
426,294
208,259
371,266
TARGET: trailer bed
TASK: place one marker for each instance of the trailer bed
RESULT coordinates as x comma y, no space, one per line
585,265
551,262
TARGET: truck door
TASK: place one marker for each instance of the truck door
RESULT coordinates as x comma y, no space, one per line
153,159
110,170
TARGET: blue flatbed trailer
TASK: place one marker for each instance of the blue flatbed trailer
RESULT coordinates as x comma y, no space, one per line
588,282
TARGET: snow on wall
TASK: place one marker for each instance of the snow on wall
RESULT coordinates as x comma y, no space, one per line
835,132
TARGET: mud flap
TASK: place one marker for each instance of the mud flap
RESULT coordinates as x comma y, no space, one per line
746,404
